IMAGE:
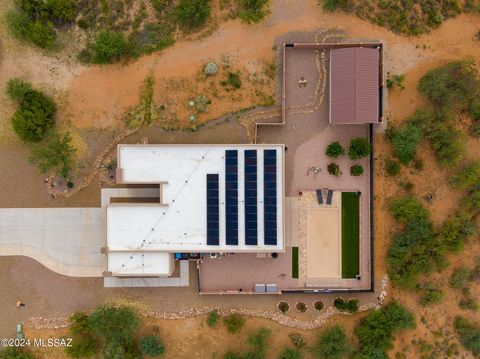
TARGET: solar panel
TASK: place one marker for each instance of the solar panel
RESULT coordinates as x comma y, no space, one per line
250,185
270,196
231,196
213,220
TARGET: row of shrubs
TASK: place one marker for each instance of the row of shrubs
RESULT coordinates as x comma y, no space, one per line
34,122
375,332
359,147
117,36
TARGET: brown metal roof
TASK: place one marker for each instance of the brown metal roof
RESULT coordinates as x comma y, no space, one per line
354,86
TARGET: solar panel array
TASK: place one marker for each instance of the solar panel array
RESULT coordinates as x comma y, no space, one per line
251,232
231,196
213,209
270,196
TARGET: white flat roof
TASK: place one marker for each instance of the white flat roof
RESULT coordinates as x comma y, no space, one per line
159,264
179,224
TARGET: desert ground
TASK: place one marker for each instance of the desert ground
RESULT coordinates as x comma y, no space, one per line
93,100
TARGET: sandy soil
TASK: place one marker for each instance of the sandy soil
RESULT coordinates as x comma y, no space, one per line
97,96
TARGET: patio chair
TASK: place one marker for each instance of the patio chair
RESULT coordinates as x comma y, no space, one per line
329,196
319,196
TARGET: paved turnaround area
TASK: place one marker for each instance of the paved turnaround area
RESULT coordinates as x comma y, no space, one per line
65,240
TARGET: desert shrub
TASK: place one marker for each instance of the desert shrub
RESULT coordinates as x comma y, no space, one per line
475,109
257,341
356,170
469,304
121,349
152,37
84,346
192,14
334,169
212,318
396,81
35,115
297,340
17,89
318,305
404,140
468,333
392,167
406,209
455,230
234,323
332,343
350,306
55,155
15,353
251,11
475,128
283,307
431,295
152,346
335,149
451,86
460,278
233,80
34,20
471,203
301,307
330,5
446,141
467,177
376,331
290,353
418,164
406,185
114,324
359,147
108,47
210,69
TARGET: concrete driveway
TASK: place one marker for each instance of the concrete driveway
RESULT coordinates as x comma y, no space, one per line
65,240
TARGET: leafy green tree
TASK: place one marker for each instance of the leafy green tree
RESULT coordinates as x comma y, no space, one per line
376,331
335,149
234,322
252,11
359,147
57,155
469,334
332,344
404,140
192,14
35,115
152,346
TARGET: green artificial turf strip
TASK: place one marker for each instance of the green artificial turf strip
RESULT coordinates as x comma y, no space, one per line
294,262
350,234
